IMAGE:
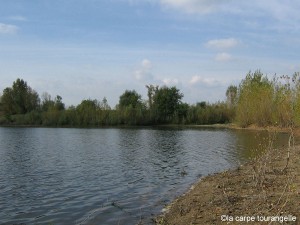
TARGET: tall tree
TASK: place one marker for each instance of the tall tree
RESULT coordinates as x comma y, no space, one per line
231,95
19,99
104,104
7,101
151,92
87,112
47,102
58,104
166,102
130,98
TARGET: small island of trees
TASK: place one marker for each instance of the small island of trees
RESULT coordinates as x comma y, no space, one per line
257,100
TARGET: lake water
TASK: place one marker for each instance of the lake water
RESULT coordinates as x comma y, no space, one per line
109,176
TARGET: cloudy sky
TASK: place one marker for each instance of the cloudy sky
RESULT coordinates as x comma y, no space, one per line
82,49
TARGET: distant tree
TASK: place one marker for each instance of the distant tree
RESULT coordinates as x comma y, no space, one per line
7,101
104,104
19,99
58,104
49,104
87,112
131,109
130,98
166,102
231,95
182,112
151,92
201,104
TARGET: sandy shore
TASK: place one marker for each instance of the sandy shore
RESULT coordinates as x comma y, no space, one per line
263,191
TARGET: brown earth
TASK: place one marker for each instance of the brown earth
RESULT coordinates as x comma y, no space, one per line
264,187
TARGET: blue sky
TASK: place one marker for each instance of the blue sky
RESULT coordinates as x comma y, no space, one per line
82,49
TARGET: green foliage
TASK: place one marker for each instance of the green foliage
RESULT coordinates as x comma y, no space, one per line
151,92
130,99
231,95
257,100
166,102
130,109
19,99
7,101
205,113
104,104
87,112
32,118
49,105
58,104
265,102
283,103
163,106
254,105
296,100
181,113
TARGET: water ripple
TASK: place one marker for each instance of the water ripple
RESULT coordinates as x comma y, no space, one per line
107,176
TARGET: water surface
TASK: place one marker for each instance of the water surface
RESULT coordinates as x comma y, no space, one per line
109,176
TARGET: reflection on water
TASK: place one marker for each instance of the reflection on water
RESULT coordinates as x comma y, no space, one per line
251,143
109,176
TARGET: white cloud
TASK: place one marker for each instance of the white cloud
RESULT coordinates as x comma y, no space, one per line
143,75
170,81
223,57
8,28
195,6
146,64
144,72
207,82
226,43
278,9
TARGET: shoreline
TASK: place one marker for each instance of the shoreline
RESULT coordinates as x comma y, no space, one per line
195,126
260,189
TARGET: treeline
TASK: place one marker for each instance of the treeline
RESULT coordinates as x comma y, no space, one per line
21,105
257,100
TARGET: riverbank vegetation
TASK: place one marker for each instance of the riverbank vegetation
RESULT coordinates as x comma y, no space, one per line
257,100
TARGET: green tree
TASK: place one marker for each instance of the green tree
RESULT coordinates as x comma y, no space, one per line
47,103
131,108
255,100
104,111
7,101
130,98
166,102
296,81
104,104
19,99
87,112
182,112
151,92
58,104
231,95
202,104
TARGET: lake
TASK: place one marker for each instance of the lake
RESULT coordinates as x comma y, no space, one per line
110,175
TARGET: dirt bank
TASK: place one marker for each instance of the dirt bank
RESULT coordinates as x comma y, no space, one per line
260,190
